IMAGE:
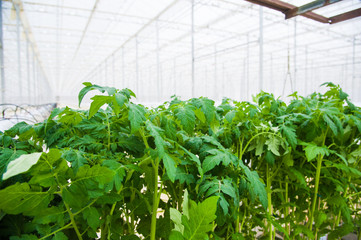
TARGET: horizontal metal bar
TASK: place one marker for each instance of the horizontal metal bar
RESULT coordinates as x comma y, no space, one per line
345,16
285,7
309,7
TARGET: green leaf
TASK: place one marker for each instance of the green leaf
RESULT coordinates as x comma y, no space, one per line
135,116
76,158
170,166
21,164
97,103
23,198
157,134
185,114
200,115
92,216
215,159
312,151
330,123
176,217
270,158
340,231
273,144
257,188
60,236
175,235
230,116
200,219
89,87
207,107
290,134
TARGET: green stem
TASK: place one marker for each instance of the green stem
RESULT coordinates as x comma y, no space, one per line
244,215
338,219
287,208
58,230
156,195
108,131
317,181
269,198
73,221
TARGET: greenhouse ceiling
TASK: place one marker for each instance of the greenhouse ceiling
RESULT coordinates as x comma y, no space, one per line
190,48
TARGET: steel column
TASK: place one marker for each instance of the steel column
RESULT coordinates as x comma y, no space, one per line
136,65
19,51
192,47
260,48
157,59
28,71
2,73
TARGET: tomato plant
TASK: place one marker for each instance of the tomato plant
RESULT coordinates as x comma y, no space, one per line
184,170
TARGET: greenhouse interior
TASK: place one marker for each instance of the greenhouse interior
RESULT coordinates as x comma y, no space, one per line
180,119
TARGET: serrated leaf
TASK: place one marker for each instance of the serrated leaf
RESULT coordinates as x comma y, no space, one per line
76,159
92,216
156,133
97,103
23,198
21,164
273,144
290,134
170,166
135,116
200,219
257,188
200,115
312,151
60,236
330,123
89,87
186,116
176,217
215,159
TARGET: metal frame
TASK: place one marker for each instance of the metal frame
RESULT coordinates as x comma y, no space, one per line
306,10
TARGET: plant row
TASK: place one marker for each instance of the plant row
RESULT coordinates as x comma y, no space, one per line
185,170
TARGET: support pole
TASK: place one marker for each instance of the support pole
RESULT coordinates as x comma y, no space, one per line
113,71
34,79
260,48
306,71
19,51
157,59
247,67
28,71
106,72
2,73
215,71
192,40
354,88
295,56
174,76
136,65
122,84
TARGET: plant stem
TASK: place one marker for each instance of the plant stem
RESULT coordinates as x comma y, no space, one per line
317,181
269,198
58,230
156,195
108,131
73,221
338,219
287,208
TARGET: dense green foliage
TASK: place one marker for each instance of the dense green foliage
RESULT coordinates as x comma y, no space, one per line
185,170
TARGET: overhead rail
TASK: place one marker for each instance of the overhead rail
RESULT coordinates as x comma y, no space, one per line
307,10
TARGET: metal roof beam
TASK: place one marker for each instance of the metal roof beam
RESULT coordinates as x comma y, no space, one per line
345,16
285,7
309,7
